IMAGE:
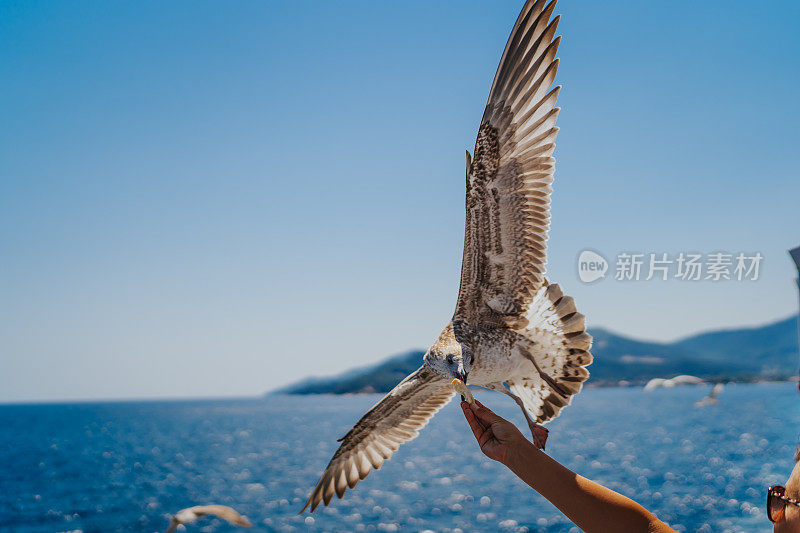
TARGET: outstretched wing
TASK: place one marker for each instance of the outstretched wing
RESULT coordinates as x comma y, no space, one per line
396,419
509,179
229,514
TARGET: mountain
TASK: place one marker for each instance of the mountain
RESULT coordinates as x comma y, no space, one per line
378,378
763,352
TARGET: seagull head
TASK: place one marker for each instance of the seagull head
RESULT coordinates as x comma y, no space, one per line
448,357
450,364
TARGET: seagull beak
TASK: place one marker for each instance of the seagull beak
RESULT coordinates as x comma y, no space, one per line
461,375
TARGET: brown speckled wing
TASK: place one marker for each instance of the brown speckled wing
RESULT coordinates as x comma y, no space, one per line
509,178
228,514
396,419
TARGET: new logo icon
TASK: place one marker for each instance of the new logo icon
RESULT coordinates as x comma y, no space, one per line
591,266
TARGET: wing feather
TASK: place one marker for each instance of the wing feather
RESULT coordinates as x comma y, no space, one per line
396,419
509,179
228,514
558,331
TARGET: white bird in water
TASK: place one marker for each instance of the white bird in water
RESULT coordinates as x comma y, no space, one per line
186,516
512,330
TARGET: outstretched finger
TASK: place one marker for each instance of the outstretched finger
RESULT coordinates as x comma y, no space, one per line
474,425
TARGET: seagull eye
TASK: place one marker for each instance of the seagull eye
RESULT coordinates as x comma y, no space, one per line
449,359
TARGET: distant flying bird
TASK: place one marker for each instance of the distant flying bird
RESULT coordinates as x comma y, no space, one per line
512,331
711,399
186,516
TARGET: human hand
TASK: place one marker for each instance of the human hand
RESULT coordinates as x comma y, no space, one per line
497,437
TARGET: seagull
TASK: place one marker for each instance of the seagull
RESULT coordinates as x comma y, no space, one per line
711,399
186,516
512,331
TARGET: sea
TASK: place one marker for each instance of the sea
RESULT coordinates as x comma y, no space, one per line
126,466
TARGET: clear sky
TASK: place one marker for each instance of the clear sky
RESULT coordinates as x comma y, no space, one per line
216,198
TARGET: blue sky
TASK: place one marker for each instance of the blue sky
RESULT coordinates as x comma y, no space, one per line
211,198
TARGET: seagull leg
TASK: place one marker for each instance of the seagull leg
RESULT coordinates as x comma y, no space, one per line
538,432
547,379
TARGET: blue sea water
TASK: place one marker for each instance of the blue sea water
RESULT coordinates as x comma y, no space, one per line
126,466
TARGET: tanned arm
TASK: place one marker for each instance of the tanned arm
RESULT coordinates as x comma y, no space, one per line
589,505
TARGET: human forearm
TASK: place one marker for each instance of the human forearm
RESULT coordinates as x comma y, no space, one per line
590,506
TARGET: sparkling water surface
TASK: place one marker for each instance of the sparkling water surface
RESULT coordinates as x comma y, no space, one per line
126,466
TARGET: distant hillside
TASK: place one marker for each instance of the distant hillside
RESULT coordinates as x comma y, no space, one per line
765,352
378,378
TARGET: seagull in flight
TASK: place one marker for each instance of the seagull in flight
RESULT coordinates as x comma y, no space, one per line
711,399
512,330
189,515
